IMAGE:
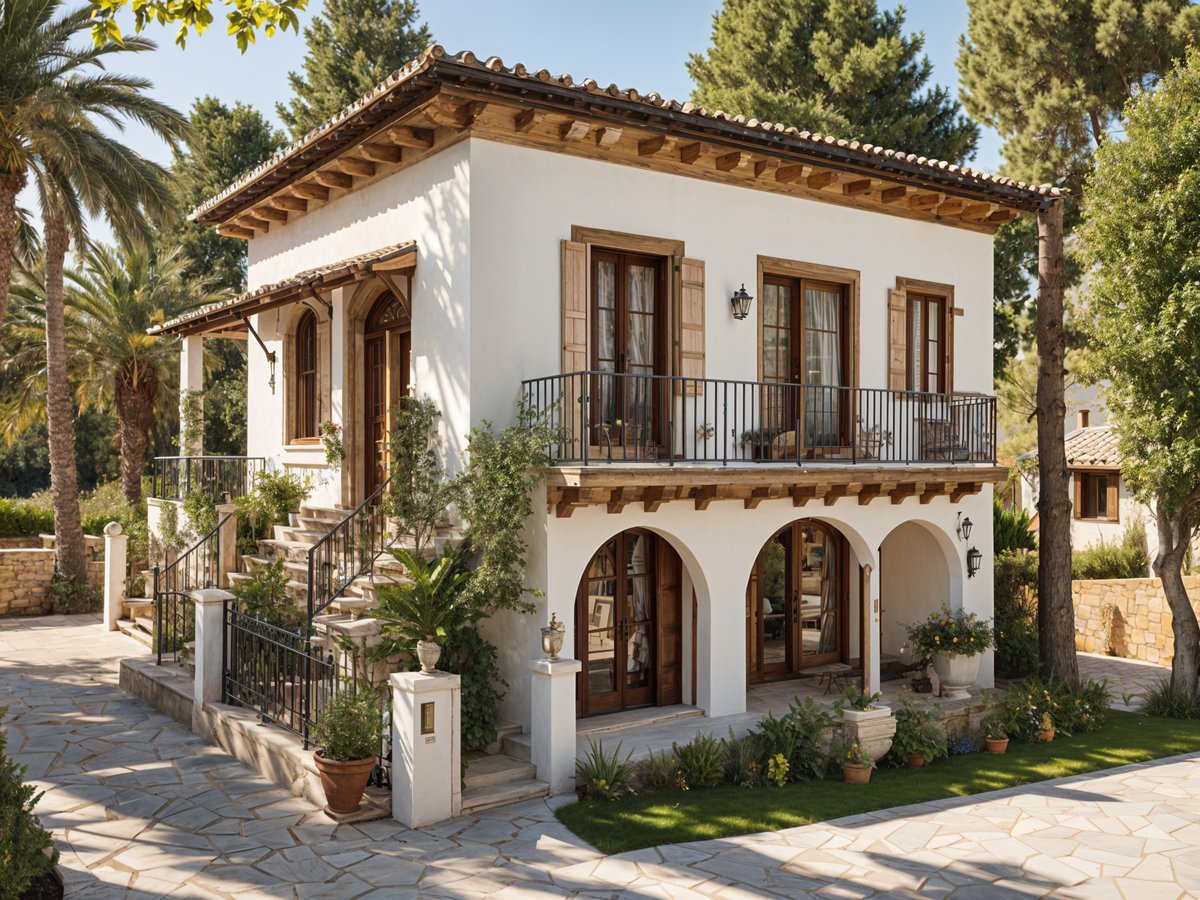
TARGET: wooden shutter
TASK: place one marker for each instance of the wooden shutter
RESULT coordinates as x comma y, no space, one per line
1077,478
670,625
691,325
1114,497
952,313
897,340
574,307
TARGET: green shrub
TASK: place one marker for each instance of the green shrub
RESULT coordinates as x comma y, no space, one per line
741,761
604,776
1126,558
700,761
69,596
917,731
1010,529
19,518
350,726
658,772
797,737
1015,597
1071,710
23,841
272,498
1167,702
264,595
474,659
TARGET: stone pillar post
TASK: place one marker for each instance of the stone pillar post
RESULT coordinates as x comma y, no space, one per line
721,660
426,747
227,555
552,731
210,653
191,379
115,563
872,633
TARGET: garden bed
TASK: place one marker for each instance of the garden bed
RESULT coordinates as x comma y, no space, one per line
674,816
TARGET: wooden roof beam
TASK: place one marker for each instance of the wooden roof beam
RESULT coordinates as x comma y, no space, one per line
416,138
575,130
951,206
901,491
962,489
820,180
731,162
976,211
235,231
653,497
608,136
254,222
868,493
802,493
859,186
354,166
271,214
310,191
893,194
526,119
704,495
765,167
383,153
690,153
290,203
458,116
789,174
935,489
924,200
759,494
660,143
619,498
331,179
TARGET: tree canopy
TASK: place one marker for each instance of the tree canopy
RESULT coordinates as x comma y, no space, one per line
352,46
245,19
839,67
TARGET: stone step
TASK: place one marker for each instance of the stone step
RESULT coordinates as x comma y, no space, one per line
145,622
300,534
323,526
352,606
503,730
517,746
330,514
295,551
489,771
634,718
297,571
478,799
130,628
131,607
298,589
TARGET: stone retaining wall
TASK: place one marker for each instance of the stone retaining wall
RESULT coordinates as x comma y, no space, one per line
1141,619
25,576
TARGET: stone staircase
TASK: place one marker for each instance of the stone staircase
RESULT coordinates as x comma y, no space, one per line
501,774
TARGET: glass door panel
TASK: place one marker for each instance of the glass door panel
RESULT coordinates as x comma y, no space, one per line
599,623
822,366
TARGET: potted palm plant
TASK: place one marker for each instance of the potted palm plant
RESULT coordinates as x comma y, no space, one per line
429,606
347,737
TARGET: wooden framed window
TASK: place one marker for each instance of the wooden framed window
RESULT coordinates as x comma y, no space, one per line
1097,496
307,379
926,341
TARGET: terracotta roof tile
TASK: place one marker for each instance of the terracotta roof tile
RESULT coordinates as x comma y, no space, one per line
1094,447
436,56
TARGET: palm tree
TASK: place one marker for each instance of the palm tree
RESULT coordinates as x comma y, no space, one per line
50,103
117,296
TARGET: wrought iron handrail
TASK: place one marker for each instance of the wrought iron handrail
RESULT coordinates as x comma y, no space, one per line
195,568
607,417
348,551
218,476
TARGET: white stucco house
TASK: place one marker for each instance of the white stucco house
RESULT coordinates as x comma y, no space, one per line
742,490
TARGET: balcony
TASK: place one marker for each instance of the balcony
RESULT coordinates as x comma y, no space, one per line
603,418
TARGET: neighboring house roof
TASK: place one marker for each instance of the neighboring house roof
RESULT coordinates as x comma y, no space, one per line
408,91
1094,447
227,315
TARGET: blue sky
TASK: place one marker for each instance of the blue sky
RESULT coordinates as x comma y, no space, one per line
635,43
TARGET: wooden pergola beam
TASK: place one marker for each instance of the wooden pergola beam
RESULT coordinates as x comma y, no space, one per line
416,138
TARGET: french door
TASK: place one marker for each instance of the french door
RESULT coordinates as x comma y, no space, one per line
795,602
629,625
805,342
628,339
387,348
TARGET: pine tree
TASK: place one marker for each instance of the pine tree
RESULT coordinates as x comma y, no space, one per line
838,67
352,47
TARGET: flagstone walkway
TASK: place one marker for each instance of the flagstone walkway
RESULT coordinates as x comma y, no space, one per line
141,808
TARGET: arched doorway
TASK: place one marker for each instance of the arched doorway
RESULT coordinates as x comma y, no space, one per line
796,602
386,351
629,625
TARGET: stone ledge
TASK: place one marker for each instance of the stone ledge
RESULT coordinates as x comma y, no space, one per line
166,688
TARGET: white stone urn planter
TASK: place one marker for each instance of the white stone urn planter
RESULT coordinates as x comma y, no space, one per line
956,673
872,729
428,653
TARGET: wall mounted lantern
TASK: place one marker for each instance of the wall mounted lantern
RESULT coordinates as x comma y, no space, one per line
974,559
740,301
963,529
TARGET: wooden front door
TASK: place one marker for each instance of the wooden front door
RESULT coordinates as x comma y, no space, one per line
629,625
805,342
795,602
628,342
386,357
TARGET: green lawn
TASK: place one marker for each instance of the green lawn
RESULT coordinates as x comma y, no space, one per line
668,817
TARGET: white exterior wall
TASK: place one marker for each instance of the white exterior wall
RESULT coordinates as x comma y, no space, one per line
426,203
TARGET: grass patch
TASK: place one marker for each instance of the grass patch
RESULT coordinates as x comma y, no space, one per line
672,816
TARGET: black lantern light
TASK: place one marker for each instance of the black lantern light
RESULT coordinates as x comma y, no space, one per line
963,528
974,559
741,302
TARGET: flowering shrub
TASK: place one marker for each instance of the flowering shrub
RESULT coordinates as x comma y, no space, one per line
1070,710
951,632
854,755
961,744
777,770
331,438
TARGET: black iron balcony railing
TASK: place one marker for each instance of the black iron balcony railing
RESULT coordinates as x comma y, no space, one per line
604,417
220,477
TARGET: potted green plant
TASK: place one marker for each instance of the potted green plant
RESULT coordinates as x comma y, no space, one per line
1047,732
918,739
856,764
758,440
996,734
347,737
955,640
427,607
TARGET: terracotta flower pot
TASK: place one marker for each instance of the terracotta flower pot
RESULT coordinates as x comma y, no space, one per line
997,745
344,782
855,773
1046,736
914,760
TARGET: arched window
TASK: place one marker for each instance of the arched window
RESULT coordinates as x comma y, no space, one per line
307,382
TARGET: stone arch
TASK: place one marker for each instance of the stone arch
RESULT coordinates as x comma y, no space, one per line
920,571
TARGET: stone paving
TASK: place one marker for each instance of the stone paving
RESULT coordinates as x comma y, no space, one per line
141,808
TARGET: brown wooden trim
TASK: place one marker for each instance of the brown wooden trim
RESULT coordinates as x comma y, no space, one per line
628,242
947,315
